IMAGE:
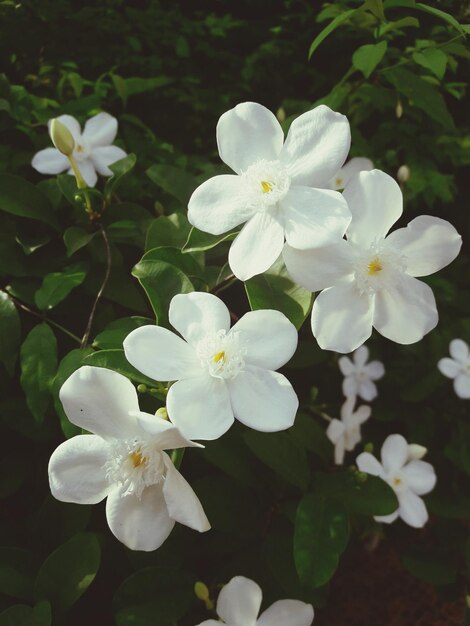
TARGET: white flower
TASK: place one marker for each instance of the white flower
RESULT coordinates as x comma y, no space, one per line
220,372
352,167
359,375
369,280
239,603
458,367
276,188
408,477
345,433
93,150
122,461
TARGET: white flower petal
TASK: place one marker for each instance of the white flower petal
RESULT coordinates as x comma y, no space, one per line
412,509
340,450
139,523
375,370
360,356
369,464
100,130
76,470
350,387
183,504
50,161
219,205
316,146
367,390
210,622
239,601
169,436
319,268
362,415
248,133
287,613
87,170
462,386
352,167
449,367
198,314
406,312
104,156
263,400
428,244
387,519
314,217
100,401
269,338
257,246
459,351
420,477
71,123
394,453
200,407
335,430
346,366
160,354
376,203
342,318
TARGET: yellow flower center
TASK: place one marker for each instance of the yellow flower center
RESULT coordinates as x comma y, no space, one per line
219,356
374,267
397,482
137,458
267,187
339,182
79,148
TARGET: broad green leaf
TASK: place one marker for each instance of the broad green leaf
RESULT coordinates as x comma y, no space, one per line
20,197
333,25
275,290
168,230
155,593
57,286
432,59
38,367
281,453
23,615
430,568
116,360
17,572
9,332
366,58
137,85
309,434
442,15
198,241
68,572
178,183
76,237
376,7
320,537
405,22
119,169
112,337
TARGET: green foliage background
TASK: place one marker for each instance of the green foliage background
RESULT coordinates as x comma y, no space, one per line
281,512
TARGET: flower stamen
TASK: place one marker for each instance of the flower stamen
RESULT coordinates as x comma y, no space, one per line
374,267
267,187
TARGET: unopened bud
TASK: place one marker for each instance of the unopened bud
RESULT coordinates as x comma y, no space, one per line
403,174
141,388
399,109
416,452
202,593
61,137
162,413
361,477
369,447
281,114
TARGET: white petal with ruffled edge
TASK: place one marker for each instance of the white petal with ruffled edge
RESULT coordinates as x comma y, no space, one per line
406,312
239,602
50,161
342,318
268,337
100,401
287,613
200,407
198,314
248,133
263,400
313,217
100,130
257,246
428,244
419,477
316,146
76,470
219,205
376,203
394,453
139,523
103,157
160,354
412,509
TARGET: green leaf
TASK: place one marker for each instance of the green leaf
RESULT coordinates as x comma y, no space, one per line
76,238
17,572
442,15
162,593
168,230
38,367
114,334
275,290
333,25
22,615
404,22
68,572
198,241
136,85
176,182
116,360
320,537
9,332
280,452
366,58
57,286
432,59
430,568
20,197
376,7
120,169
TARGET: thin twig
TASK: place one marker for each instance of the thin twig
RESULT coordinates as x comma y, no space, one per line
223,284
86,335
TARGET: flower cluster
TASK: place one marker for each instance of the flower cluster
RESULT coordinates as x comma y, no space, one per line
458,367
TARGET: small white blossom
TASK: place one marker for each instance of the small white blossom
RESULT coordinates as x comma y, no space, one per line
93,151
409,478
458,367
239,603
279,187
369,281
123,461
359,375
221,372
345,433
350,169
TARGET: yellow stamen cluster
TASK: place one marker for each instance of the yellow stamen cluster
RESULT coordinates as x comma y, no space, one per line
374,267
267,187
137,458
219,356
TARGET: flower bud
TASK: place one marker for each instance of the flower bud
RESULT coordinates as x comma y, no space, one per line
281,114
141,388
369,447
162,413
361,477
399,109
403,174
61,137
416,452
202,592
